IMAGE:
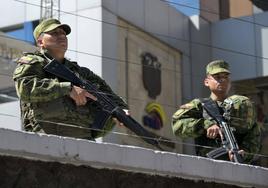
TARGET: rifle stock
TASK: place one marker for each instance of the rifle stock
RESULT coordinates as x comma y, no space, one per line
59,70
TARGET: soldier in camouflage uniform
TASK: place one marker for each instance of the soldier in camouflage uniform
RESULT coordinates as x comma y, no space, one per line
50,104
192,121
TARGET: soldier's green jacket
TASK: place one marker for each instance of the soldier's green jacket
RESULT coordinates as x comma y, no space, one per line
190,121
45,102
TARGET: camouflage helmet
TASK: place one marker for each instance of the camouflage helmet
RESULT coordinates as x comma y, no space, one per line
49,25
217,66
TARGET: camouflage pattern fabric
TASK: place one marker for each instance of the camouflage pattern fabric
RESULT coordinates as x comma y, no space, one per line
190,121
49,25
217,66
45,103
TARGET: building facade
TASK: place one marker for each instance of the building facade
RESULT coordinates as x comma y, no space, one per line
115,38
141,67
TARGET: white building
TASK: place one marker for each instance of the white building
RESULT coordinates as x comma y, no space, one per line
109,36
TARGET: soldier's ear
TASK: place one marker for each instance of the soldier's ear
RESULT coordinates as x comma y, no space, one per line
206,82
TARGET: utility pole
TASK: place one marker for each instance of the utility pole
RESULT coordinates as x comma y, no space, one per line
50,9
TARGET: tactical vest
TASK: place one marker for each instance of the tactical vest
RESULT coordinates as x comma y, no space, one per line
203,140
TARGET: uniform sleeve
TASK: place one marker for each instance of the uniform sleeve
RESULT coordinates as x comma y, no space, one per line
32,84
244,119
188,121
251,141
103,87
109,125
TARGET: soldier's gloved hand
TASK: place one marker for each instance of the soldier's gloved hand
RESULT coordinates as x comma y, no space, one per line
214,131
80,96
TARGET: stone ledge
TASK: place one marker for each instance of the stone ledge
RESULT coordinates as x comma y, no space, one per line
130,158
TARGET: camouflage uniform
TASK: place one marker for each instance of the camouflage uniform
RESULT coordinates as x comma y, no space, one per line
45,102
192,121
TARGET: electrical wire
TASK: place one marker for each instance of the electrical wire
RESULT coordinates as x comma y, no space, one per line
183,40
214,13
133,135
156,34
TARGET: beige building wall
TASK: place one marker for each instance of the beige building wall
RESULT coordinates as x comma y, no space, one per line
222,9
239,8
133,42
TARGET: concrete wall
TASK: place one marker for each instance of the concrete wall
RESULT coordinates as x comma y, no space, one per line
170,26
55,156
10,115
21,172
132,43
200,55
110,59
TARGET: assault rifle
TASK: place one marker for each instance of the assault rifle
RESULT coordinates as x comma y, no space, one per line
229,142
61,71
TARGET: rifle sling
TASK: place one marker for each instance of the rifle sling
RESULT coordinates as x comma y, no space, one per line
212,109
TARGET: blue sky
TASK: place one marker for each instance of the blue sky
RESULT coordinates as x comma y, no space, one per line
185,6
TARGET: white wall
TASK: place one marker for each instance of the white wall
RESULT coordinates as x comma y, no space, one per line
155,17
110,58
85,40
236,39
200,55
18,12
10,115
262,43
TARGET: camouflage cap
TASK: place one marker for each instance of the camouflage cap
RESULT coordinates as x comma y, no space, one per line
217,66
49,25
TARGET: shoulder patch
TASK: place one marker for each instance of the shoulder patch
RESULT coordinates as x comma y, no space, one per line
187,106
25,60
30,59
238,98
18,70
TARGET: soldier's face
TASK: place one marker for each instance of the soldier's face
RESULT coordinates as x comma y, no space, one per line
218,83
54,41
